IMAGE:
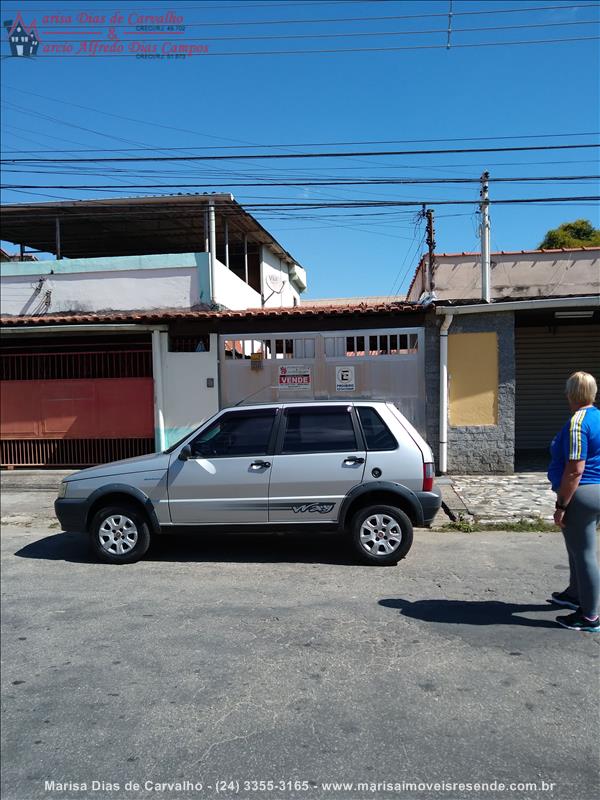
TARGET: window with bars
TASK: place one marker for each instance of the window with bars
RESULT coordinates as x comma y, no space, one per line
380,344
64,366
189,344
279,348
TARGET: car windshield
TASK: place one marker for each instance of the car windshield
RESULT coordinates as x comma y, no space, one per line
189,433
178,442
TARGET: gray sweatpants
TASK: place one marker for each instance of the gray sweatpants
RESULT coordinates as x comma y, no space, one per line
581,518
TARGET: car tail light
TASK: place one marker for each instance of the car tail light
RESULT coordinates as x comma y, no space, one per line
428,475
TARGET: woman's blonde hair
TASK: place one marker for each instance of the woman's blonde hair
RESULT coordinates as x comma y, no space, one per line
582,388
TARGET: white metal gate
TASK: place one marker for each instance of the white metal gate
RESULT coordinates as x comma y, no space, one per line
381,364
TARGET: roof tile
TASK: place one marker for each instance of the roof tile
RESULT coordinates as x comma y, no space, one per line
167,315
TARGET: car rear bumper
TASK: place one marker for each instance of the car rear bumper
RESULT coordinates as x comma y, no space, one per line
71,513
431,503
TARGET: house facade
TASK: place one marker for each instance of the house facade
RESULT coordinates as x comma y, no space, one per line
82,393
117,349
496,371
78,389
182,251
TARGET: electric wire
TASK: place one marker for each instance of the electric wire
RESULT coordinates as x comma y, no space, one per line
363,182
331,154
322,51
328,20
310,144
353,34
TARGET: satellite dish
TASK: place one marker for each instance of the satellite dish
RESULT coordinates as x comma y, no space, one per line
274,281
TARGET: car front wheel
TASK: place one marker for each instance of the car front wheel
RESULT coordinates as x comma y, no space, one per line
119,534
381,534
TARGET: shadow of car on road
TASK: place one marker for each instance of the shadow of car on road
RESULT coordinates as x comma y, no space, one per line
306,548
471,612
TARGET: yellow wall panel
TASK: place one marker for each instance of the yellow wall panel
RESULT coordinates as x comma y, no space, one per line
473,378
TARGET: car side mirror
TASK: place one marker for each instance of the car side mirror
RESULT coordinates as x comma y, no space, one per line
185,453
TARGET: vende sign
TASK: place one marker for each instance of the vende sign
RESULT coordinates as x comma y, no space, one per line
294,377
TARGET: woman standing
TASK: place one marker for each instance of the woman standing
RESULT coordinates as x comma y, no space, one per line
575,477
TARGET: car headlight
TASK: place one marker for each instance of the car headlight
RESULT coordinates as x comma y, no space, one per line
62,490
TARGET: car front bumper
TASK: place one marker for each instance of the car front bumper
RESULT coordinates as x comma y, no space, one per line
431,502
71,513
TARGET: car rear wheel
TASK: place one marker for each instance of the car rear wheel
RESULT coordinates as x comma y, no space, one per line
381,534
119,534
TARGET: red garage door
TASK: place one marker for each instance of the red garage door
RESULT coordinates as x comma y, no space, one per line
75,409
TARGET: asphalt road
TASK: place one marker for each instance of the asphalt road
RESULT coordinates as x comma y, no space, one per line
256,658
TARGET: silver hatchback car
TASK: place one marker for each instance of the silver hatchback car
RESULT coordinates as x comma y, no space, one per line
358,467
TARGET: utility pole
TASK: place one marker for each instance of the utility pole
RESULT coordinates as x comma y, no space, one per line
484,231
431,248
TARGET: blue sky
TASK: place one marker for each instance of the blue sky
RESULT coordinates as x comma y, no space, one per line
532,90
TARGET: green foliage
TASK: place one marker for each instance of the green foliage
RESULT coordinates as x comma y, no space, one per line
521,525
580,233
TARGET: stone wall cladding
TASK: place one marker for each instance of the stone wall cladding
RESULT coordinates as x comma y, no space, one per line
476,449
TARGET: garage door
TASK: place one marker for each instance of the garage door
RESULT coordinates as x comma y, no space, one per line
545,357
73,409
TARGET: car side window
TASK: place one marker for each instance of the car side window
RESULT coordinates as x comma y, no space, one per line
377,434
318,430
236,434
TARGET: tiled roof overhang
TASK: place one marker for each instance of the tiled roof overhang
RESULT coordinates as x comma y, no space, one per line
165,316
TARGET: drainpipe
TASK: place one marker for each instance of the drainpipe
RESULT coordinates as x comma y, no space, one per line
212,235
443,467
159,416
226,231
57,245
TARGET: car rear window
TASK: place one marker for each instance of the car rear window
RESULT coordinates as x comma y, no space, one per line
315,430
377,434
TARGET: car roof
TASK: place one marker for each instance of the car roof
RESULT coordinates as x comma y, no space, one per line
311,402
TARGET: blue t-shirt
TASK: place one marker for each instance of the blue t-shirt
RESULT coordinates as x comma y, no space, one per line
579,440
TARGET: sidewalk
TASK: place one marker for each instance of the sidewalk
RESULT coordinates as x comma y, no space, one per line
483,498
499,498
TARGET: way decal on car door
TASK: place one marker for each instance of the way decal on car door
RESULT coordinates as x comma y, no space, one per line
320,508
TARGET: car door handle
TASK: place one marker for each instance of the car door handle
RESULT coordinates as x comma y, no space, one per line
354,460
261,464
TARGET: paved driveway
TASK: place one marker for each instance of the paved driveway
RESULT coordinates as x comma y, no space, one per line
276,659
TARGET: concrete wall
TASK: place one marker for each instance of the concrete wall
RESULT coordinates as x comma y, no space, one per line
187,400
122,283
272,265
232,292
478,448
529,274
95,291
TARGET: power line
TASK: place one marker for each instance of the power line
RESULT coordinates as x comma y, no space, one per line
327,20
401,203
243,145
408,257
121,212
300,144
247,156
353,34
323,51
128,119
361,182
